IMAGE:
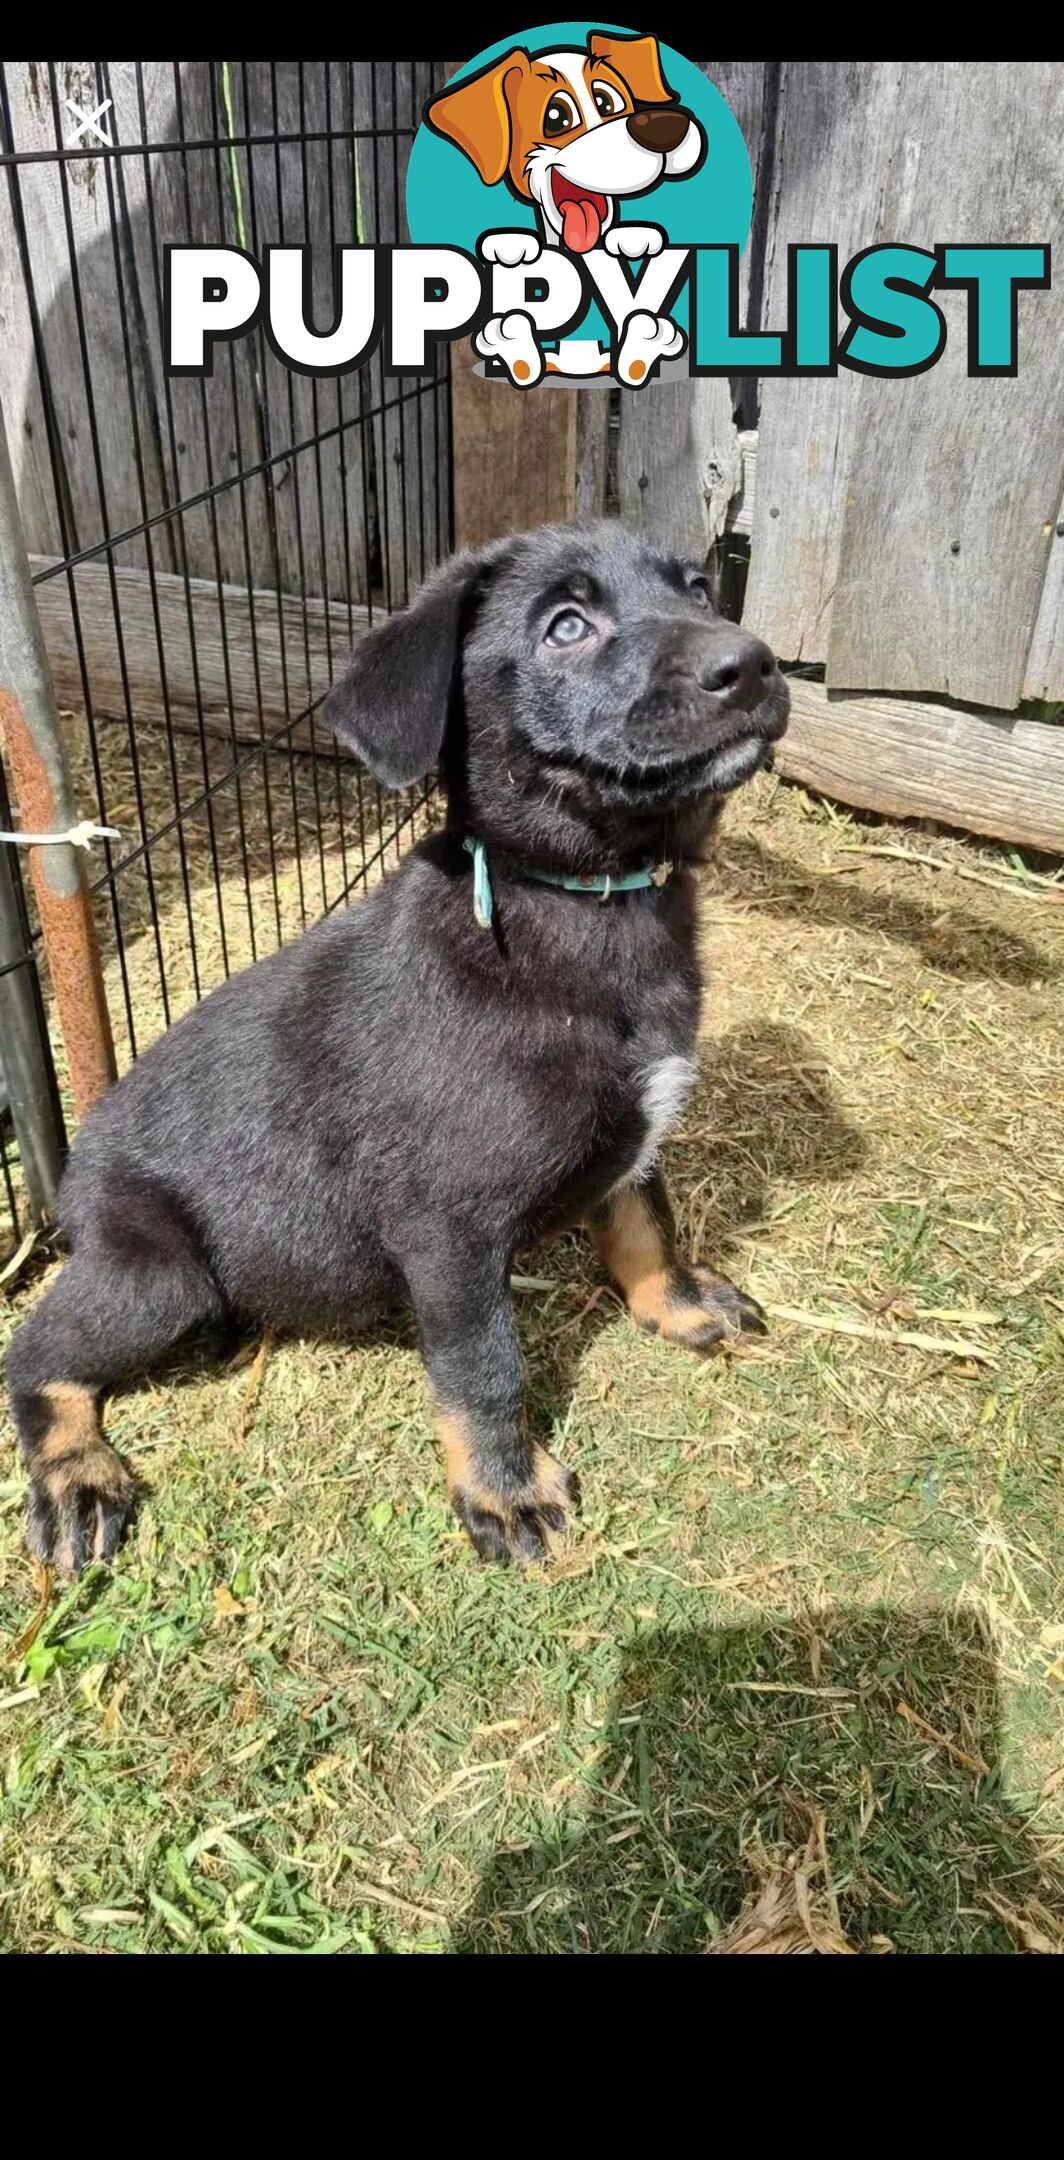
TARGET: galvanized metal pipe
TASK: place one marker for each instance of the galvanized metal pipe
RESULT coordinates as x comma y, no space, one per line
41,785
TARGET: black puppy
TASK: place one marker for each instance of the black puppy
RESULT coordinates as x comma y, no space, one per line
473,1056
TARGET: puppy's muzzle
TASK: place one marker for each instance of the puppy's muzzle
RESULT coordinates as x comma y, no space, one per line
715,705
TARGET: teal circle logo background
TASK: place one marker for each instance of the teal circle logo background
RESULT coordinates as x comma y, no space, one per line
447,203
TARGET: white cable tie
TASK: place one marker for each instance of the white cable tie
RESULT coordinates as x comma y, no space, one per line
79,836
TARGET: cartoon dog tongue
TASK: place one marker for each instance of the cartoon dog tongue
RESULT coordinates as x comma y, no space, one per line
581,224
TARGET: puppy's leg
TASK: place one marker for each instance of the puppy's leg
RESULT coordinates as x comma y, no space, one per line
636,1239
112,1312
507,1491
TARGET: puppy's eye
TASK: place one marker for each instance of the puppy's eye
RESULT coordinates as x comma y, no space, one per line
608,101
699,590
560,116
567,629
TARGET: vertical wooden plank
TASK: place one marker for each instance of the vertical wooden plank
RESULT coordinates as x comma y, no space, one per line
1045,661
206,429
678,457
353,393
414,446
409,427
333,470
514,454
835,140
383,92
597,420
751,88
286,194
955,481
514,451
678,461
78,268
431,481
20,386
747,87
371,214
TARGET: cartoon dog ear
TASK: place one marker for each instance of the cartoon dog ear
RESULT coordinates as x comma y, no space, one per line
476,115
391,707
638,61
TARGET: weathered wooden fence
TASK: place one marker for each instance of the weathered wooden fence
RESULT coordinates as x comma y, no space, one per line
906,537
257,480
202,554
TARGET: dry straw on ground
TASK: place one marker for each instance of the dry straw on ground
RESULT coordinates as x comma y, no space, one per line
819,1585
793,1911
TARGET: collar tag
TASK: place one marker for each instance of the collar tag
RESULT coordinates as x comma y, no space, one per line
605,886
483,897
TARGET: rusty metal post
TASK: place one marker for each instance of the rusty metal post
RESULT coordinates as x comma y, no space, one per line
24,1055
41,785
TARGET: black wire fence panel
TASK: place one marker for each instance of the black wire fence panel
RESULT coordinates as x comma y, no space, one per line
205,553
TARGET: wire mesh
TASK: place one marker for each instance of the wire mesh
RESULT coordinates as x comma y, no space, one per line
205,552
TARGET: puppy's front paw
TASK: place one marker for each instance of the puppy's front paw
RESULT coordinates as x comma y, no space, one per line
512,339
78,1507
510,248
696,1308
518,1521
742,1314
634,240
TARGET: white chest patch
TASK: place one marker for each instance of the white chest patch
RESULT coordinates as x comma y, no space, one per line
666,1087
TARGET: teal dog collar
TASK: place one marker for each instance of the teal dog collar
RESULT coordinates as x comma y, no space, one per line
605,886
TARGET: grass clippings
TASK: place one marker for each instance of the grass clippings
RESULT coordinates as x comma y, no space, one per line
798,1678
793,1913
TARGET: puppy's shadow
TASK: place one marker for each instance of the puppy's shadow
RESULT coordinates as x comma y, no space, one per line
763,1112
874,1732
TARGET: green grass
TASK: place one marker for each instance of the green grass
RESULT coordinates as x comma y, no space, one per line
822,1580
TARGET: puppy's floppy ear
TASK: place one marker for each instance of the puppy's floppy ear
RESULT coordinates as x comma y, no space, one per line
476,115
638,61
391,707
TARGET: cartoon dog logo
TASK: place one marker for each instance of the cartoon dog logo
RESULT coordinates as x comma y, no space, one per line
575,133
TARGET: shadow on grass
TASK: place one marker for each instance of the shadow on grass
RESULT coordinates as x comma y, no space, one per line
763,1111
730,1742
946,936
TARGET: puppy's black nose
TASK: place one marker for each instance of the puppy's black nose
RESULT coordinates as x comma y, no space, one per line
661,129
737,667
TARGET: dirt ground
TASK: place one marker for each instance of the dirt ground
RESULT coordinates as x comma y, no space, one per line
809,1632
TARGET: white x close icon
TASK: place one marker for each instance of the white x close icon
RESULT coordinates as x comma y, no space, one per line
89,120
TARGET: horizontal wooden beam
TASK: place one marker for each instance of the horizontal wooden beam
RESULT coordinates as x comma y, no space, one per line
209,633
983,771
238,658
